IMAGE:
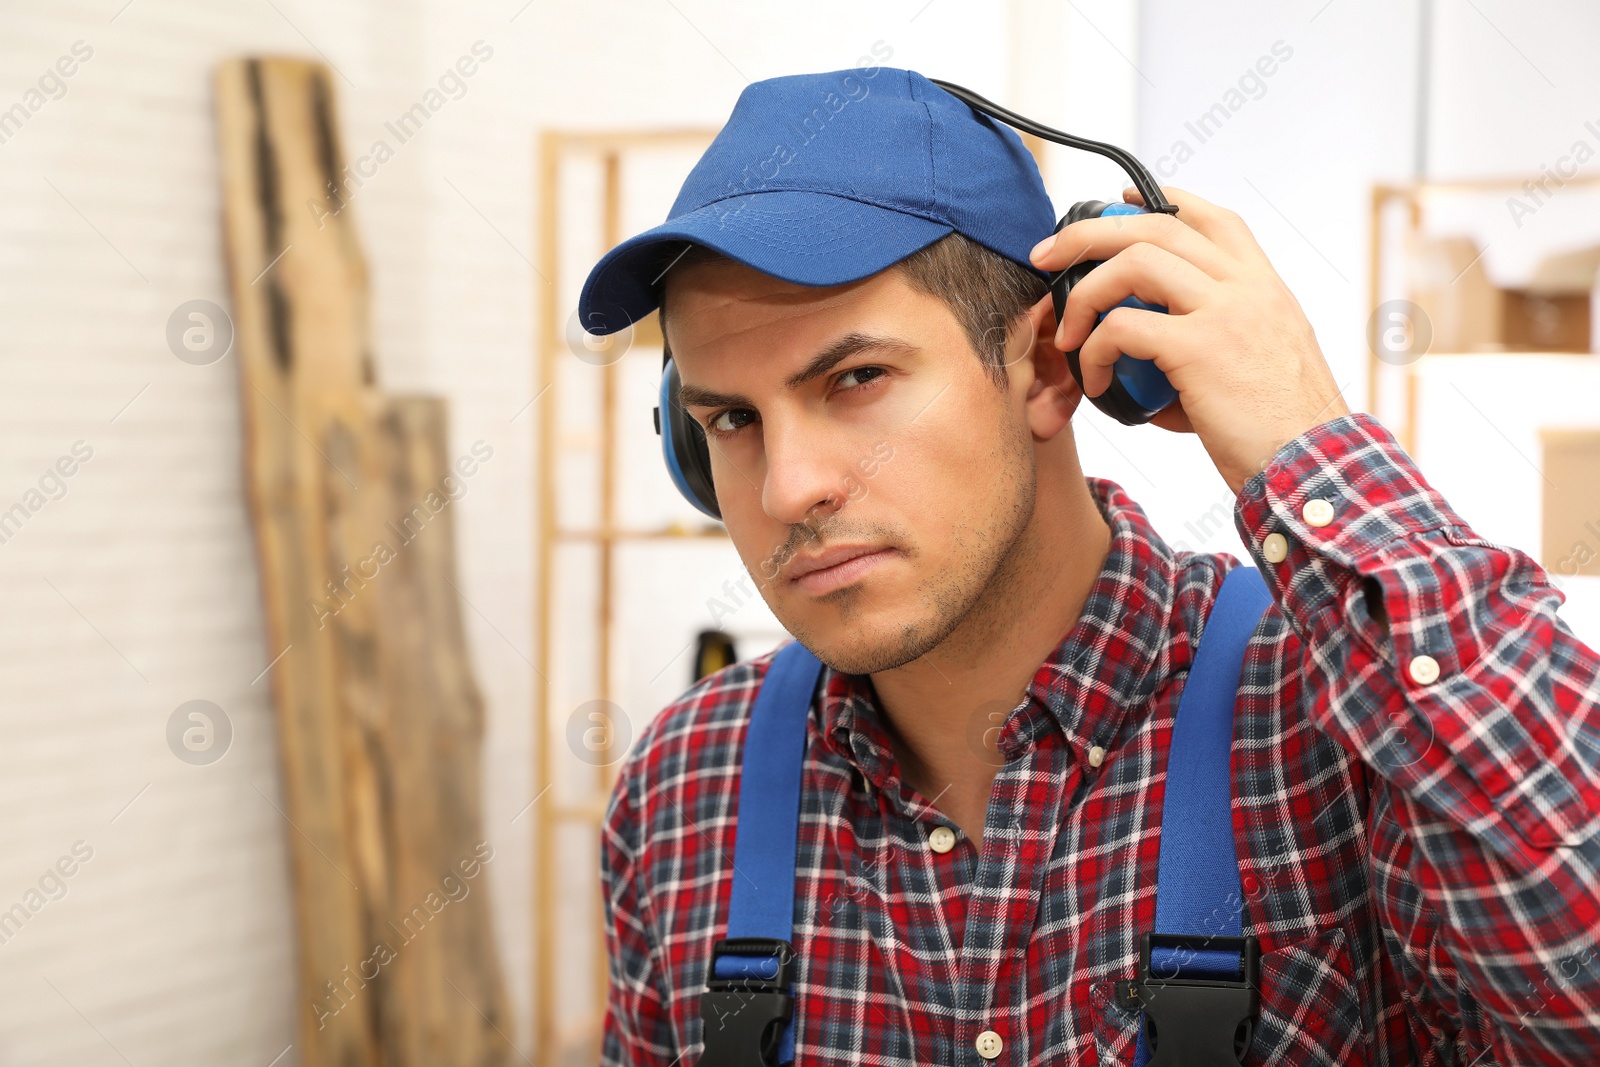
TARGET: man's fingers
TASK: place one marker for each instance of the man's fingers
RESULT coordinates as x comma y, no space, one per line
1134,331
1102,238
1222,227
1146,271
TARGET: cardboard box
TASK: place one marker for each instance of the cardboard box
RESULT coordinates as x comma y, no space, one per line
1538,322
1570,542
1551,312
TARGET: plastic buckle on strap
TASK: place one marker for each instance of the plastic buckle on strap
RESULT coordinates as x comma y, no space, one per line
1196,1021
742,1017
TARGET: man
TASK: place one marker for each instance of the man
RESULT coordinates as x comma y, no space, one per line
851,295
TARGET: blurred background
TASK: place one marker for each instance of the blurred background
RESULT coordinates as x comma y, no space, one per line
341,568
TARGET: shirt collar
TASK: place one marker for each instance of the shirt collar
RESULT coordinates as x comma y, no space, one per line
1106,667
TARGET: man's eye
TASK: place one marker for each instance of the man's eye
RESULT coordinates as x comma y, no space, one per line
873,373
726,423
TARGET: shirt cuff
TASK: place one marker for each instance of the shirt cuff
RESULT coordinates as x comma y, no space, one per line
1340,493
1343,493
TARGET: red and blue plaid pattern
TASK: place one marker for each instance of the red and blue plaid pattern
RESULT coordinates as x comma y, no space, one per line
1419,861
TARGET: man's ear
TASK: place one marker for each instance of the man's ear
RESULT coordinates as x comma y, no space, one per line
1053,394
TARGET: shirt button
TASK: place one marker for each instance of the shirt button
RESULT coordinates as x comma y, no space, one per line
943,839
1275,548
1097,756
1424,670
989,1044
1317,512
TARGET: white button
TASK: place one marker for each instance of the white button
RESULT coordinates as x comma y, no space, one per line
1317,512
1097,756
989,1044
1275,548
943,839
1424,670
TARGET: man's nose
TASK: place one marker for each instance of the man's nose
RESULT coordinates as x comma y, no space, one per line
804,476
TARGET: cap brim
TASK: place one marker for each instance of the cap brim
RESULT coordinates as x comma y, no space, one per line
800,237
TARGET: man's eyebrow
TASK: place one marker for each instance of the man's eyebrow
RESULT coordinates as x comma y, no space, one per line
835,353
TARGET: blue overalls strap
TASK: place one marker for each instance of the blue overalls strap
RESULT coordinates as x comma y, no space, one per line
767,833
1198,893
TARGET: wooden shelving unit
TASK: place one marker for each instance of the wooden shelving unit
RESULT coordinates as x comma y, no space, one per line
1414,197
556,1043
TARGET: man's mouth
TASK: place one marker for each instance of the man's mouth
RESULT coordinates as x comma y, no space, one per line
835,568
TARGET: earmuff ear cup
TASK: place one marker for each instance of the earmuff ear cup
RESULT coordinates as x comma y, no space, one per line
1117,401
683,445
1062,281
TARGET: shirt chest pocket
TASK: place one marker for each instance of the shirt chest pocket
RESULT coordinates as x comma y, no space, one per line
1310,1009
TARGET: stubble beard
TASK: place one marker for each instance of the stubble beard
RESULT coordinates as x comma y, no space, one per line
990,567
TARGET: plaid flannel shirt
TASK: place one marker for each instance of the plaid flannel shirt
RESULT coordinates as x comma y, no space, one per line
1418,854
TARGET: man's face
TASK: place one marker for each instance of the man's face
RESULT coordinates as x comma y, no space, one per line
856,417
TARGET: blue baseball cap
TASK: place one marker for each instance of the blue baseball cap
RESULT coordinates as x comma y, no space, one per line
823,179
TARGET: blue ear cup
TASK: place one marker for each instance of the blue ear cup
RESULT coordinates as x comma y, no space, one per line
683,444
1138,389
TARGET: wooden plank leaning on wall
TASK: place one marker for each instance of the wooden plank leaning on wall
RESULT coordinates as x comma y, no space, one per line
380,723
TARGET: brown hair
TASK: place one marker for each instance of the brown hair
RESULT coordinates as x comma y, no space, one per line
985,291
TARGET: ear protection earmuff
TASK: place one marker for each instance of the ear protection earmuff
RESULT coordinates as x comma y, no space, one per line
1138,388
683,444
